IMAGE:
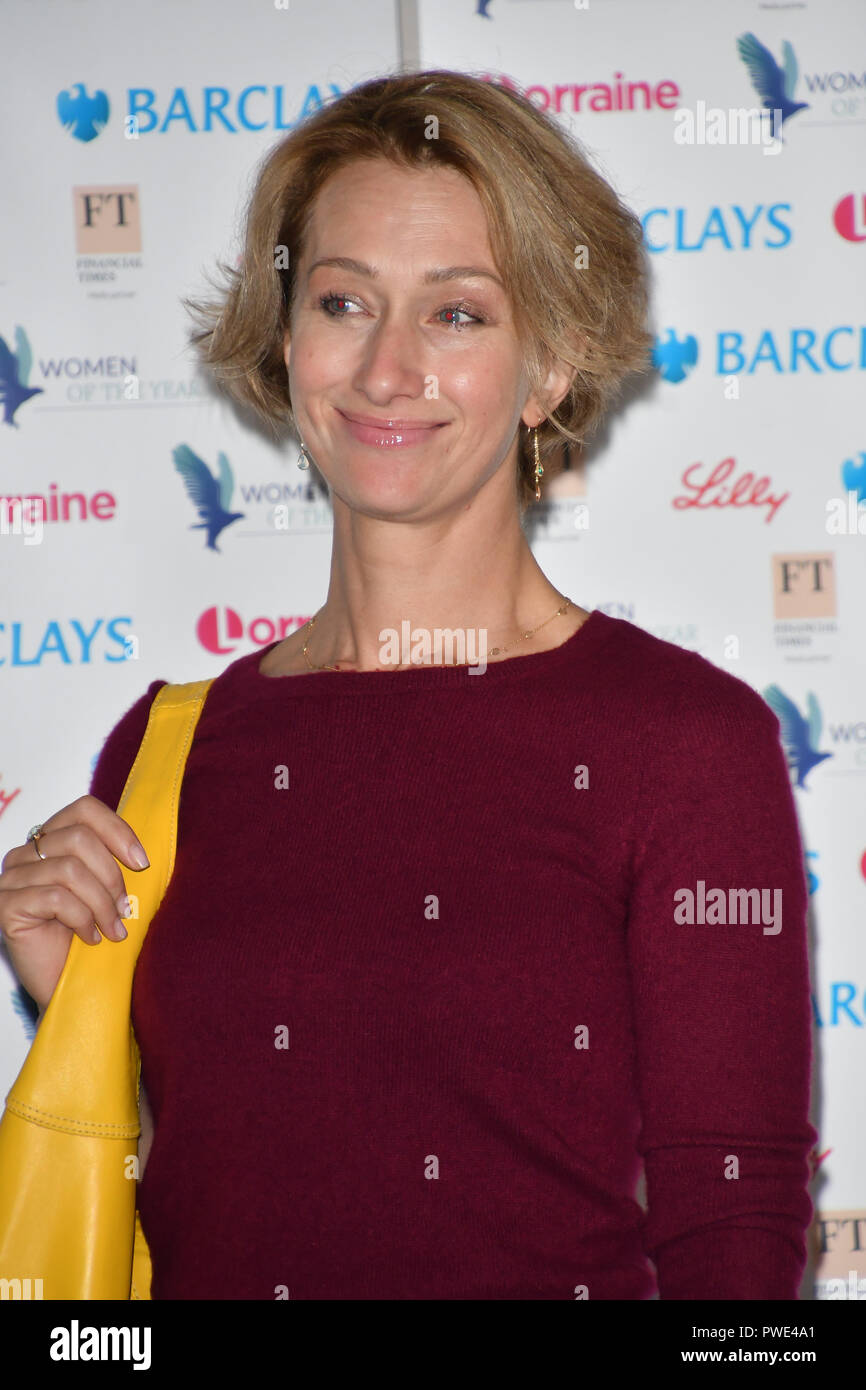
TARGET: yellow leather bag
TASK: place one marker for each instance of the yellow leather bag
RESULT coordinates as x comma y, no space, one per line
69,1133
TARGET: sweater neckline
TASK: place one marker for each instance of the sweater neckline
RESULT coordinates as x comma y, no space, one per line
428,678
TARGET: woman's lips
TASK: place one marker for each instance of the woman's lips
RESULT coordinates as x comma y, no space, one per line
394,434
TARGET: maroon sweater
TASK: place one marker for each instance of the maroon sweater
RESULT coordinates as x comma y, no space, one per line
492,1011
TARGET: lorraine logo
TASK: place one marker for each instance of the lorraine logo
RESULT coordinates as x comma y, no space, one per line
854,476
849,217
674,357
775,85
80,115
800,737
212,495
220,629
14,375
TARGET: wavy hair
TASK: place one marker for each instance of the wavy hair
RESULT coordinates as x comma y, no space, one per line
543,201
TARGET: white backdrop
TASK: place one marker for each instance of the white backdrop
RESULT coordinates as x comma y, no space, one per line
757,253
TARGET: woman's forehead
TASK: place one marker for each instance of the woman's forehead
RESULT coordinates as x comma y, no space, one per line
378,204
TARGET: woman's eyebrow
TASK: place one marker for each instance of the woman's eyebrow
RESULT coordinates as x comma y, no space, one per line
450,272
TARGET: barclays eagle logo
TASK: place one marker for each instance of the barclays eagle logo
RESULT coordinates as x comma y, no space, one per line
83,116
854,476
674,357
211,495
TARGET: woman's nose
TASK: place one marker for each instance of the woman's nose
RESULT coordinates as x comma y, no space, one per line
391,360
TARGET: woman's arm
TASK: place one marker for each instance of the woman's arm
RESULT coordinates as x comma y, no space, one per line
108,781
146,1139
721,1007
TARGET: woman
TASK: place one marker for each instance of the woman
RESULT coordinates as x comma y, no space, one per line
423,997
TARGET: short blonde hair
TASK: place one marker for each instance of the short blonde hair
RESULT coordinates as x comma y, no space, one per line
543,201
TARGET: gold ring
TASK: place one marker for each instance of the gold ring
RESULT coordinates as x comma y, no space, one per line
34,835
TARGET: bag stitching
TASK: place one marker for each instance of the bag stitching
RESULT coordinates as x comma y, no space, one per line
94,1127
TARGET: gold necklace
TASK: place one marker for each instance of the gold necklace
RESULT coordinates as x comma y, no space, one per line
494,651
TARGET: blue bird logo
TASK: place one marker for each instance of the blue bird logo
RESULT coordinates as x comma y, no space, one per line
673,356
211,495
25,1010
14,374
800,737
854,476
80,115
773,84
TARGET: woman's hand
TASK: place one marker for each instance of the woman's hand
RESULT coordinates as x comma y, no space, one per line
78,888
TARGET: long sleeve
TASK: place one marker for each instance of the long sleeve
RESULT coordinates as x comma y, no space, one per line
721,1009
434,1129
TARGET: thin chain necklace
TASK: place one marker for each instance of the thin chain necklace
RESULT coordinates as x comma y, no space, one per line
494,651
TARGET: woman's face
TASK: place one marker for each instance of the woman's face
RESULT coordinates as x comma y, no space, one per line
388,335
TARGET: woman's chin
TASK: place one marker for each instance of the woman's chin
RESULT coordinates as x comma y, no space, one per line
384,492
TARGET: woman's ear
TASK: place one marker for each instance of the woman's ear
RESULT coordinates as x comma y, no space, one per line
556,386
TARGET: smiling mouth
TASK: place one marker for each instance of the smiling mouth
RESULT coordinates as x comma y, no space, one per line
389,433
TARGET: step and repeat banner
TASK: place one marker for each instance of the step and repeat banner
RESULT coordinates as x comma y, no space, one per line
722,507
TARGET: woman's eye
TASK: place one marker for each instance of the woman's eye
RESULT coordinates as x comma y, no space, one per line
325,300
458,309
335,306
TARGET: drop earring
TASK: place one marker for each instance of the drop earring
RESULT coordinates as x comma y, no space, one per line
303,458
539,471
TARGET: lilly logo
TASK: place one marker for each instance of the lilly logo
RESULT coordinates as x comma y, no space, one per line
14,374
674,356
800,737
82,116
212,495
774,84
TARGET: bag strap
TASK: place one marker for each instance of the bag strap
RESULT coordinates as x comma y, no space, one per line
93,1089
155,777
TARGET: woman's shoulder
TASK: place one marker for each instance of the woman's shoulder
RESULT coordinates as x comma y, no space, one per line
124,739
120,747
676,687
